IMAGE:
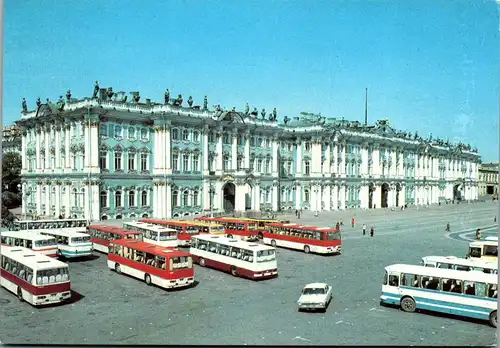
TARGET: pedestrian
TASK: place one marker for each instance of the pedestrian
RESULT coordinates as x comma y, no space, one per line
478,234
364,229
447,227
337,226
495,219
341,222
352,222
296,213
371,232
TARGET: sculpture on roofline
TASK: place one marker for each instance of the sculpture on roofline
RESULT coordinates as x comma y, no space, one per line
286,119
255,113
217,108
167,96
205,103
263,113
47,101
190,101
24,105
68,95
38,102
275,115
247,109
60,103
96,90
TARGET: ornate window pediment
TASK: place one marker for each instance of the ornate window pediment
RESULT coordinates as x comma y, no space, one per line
118,148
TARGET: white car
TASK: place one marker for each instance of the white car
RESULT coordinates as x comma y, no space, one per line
315,296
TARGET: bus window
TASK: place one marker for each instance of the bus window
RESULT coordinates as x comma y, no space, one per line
393,280
492,290
462,268
385,278
491,250
475,252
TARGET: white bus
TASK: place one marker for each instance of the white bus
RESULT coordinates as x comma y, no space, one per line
484,250
459,264
49,224
491,239
468,294
154,234
71,242
46,245
34,277
245,259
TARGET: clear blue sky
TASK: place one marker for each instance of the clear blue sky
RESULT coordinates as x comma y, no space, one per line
430,66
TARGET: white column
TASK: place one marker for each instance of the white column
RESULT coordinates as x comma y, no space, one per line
335,159
402,196
205,151
156,149
376,163
377,196
256,197
327,197
390,199
163,148
344,159
25,198
247,151
39,198
274,196
47,149
156,211
298,196
58,199
24,162
335,198
342,197
393,164
94,148
275,156
67,200
364,160
298,165
316,157
87,141
57,129
38,147
47,200
206,195
234,151
168,190
67,157
327,167
218,151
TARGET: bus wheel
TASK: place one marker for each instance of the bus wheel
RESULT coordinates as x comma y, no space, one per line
201,261
230,236
260,235
20,297
233,271
408,304
493,319
118,269
147,279
307,250
273,243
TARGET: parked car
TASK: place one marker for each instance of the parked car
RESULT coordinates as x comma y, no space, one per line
315,296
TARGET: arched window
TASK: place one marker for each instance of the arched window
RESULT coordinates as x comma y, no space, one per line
185,198
175,134
82,197
118,199
144,198
131,199
75,197
103,199
307,195
196,196
175,198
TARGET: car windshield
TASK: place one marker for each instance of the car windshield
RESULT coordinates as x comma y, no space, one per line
314,291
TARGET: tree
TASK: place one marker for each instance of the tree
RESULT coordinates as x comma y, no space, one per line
7,216
11,171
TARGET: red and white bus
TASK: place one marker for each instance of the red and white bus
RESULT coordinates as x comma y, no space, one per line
37,242
321,240
246,230
165,267
248,260
159,235
101,235
186,229
34,277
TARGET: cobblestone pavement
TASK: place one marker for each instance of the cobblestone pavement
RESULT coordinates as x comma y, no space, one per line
221,309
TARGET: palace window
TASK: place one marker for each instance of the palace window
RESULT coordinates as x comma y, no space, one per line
308,146
73,161
175,134
211,161
307,195
241,140
144,133
175,198
131,161
175,161
185,162
118,160
196,162
196,196
259,166
103,129
75,197
289,167
185,198
144,198
226,139
185,135
268,196
196,136
268,165
131,132
240,163
131,199
211,137
118,198
52,161
118,131
307,168
252,141
144,161
82,197
103,199
226,163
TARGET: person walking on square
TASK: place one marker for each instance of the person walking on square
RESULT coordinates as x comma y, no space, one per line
371,232
447,227
352,222
341,222
337,226
495,219
364,229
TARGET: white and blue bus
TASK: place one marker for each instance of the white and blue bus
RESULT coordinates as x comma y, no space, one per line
470,294
459,264
71,242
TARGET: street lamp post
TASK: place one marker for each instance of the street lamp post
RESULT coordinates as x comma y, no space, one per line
211,191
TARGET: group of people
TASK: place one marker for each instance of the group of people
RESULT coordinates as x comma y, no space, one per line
340,224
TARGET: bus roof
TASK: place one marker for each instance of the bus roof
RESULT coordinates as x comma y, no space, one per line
181,222
460,261
151,227
483,242
26,234
491,239
112,229
64,232
225,219
473,276
233,242
34,260
303,228
150,248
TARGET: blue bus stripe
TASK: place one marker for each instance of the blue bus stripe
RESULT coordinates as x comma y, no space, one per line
447,293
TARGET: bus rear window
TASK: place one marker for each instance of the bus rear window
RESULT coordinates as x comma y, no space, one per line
181,262
333,236
78,240
167,236
52,276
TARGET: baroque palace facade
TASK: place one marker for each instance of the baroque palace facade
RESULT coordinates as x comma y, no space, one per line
105,157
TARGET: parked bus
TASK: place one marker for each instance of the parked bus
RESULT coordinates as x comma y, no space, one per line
186,229
484,250
37,242
321,240
101,235
48,224
456,263
246,230
165,267
467,294
262,222
248,260
34,277
159,235
71,243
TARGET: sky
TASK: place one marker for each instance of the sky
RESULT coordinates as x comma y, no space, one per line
430,66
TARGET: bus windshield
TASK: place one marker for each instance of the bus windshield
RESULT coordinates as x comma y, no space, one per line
266,255
52,276
167,236
475,252
217,229
78,240
332,236
192,229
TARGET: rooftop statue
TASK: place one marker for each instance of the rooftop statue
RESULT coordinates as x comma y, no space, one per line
47,101
255,113
275,115
96,89
68,95
190,101
178,101
234,109
263,114
217,108
38,102
286,119
247,109
110,93
205,103
60,103
166,97
24,105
